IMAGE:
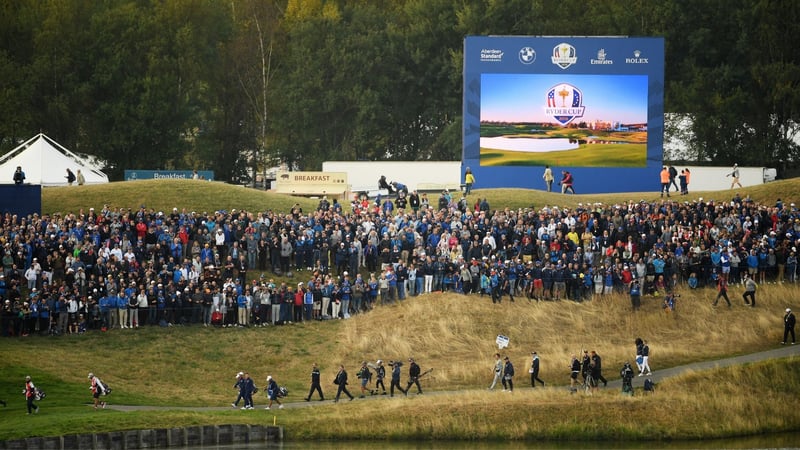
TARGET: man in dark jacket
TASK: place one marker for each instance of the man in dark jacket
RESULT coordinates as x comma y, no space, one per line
597,368
341,380
239,385
249,390
788,325
535,370
413,376
508,375
396,365
315,386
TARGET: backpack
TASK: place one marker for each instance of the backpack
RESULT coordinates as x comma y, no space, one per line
103,387
649,386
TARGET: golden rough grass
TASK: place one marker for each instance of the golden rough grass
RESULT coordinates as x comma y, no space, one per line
456,334
691,406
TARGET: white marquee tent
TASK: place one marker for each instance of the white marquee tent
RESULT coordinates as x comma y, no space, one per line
45,162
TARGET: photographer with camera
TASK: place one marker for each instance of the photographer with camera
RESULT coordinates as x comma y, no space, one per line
627,377
413,376
380,374
365,375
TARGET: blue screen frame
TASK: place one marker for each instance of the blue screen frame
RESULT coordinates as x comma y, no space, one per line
581,64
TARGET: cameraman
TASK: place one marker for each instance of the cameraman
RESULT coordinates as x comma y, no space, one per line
627,377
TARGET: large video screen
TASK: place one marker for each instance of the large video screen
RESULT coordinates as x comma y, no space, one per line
557,120
590,106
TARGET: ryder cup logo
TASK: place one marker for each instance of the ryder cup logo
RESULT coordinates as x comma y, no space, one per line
564,55
527,55
564,103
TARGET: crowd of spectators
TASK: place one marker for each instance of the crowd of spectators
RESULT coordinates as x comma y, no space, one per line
123,267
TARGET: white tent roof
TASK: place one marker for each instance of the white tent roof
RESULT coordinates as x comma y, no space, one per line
45,162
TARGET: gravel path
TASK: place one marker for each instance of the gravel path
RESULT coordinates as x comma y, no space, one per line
611,372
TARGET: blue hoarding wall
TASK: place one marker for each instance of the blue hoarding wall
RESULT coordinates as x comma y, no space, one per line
133,175
593,106
21,200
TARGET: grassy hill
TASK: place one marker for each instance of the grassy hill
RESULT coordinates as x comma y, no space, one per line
195,366
194,195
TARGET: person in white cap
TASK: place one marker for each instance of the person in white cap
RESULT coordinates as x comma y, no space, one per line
788,325
380,374
98,389
30,395
273,392
240,386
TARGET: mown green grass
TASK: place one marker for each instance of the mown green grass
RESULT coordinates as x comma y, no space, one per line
587,155
205,196
528,131
163,195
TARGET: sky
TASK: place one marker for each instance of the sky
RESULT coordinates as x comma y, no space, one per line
523,97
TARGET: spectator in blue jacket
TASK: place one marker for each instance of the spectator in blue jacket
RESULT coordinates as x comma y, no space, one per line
508,375
274,393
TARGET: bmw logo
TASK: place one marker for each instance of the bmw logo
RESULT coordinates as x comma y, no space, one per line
527,55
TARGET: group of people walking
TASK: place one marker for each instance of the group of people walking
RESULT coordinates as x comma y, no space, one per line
668,176
247,388
503,371
365,375
33,393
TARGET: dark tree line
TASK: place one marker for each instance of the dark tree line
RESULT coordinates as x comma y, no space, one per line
238,84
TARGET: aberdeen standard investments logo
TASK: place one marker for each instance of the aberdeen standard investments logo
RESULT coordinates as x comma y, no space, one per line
527,55
564,103
564,55
491,55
